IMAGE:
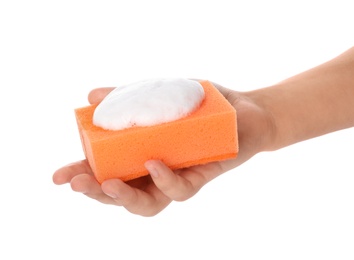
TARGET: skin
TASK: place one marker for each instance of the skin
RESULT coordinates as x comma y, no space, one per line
313,103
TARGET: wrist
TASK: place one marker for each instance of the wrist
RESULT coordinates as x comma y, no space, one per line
256,125
268,138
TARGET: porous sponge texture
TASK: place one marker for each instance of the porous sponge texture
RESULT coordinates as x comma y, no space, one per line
208,134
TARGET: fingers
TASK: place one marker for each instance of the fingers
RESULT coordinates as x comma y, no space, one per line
98,94
146,196
68,172
144,203
167,185
87,184
139,196
176,187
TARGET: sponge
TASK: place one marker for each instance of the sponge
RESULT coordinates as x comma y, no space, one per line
208,134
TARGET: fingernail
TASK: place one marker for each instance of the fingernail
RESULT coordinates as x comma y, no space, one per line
112,195
152,170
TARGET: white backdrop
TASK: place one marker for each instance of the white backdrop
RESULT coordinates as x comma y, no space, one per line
295,203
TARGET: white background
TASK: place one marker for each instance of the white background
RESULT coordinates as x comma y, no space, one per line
295,203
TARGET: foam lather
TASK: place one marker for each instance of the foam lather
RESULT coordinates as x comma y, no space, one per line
148,102
208,134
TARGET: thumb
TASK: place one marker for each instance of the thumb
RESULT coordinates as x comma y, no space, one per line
97,95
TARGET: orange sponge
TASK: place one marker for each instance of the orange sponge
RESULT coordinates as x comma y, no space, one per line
208,134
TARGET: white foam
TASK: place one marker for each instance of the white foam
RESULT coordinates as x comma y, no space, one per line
148,103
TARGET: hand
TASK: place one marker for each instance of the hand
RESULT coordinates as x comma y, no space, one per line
148,195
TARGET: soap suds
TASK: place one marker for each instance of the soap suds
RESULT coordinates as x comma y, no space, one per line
148,103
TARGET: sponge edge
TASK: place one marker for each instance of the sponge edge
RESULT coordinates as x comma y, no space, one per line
208,134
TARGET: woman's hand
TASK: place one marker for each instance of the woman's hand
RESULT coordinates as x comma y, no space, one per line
148,195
